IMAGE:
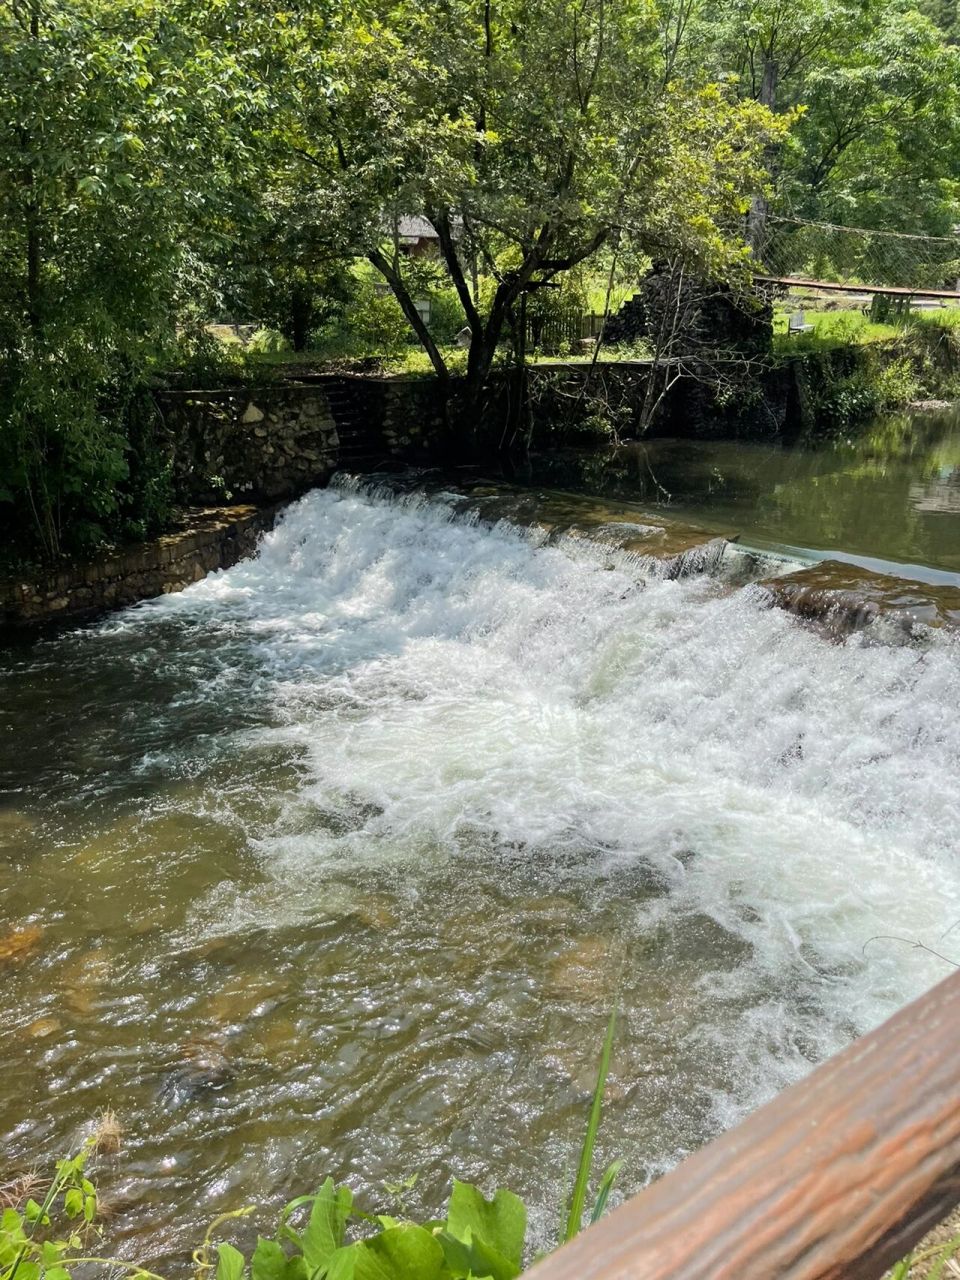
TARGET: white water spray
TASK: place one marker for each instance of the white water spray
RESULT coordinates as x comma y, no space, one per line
457,681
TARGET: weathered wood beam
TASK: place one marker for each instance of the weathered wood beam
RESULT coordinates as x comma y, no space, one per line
838,1176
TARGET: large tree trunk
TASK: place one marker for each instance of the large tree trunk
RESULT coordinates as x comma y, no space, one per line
34,253
301,315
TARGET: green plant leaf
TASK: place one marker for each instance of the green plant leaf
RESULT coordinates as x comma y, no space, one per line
11,1223
603,1193
579,1197
230,1263
269,1262
328,1221
73,1202
33,1211
51,1250
476,1259
407,1252
500,1224
947,1251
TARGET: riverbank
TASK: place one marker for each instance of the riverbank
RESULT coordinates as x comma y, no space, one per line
261,445
203,539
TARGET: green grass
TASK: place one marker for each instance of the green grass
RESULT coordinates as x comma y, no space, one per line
833,329
578,1197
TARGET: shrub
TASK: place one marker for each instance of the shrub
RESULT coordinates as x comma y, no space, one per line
446,315
268,342
371,324
62,447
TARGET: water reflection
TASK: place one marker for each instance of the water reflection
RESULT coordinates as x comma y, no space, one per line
891,495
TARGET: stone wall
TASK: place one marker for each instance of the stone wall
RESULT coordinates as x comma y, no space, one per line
268,444
382,418
213,538
262,444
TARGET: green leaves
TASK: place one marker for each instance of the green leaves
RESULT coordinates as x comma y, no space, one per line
479,1239
269,1262
25,1252
579,1196
73,1202
230,1263
499,1224
327,1224
406,1252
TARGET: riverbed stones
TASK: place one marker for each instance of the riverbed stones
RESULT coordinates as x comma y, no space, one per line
19,943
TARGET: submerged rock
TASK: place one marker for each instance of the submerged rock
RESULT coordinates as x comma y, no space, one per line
16,945
206,1067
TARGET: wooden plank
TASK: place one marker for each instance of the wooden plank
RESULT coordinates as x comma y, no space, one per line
838,1176
834,286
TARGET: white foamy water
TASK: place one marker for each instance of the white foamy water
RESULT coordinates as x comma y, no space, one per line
523,778
467,684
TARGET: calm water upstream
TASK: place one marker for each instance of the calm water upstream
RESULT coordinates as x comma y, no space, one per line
335,861
889,499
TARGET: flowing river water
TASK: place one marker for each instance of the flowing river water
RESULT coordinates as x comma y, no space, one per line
337,861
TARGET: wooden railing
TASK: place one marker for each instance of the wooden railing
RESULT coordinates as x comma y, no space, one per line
838,1176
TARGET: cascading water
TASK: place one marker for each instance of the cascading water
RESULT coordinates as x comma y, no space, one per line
338,859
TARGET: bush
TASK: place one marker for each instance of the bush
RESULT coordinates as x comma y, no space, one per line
446,315
371,324
852,384
62,447
268,342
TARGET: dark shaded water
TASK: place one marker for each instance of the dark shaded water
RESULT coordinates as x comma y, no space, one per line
887,499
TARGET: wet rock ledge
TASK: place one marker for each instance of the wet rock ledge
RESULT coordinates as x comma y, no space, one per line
206,538
844,597
667,547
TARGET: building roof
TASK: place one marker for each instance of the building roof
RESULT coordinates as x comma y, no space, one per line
415,227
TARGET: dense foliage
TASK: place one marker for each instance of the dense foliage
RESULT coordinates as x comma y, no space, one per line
123,127
476,1238
166,164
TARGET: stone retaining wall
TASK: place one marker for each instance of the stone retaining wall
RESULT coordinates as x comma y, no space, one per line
212,538
263,443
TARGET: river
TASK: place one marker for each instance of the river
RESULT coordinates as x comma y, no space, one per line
336,862
888,499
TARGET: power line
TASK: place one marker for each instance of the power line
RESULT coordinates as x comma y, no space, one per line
867,231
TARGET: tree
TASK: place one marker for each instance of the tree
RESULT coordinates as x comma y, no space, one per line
531,133
120,141
877,139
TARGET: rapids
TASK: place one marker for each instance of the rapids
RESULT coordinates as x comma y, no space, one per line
380,822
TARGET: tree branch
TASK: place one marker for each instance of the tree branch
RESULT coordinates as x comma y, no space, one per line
441,224
402,295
